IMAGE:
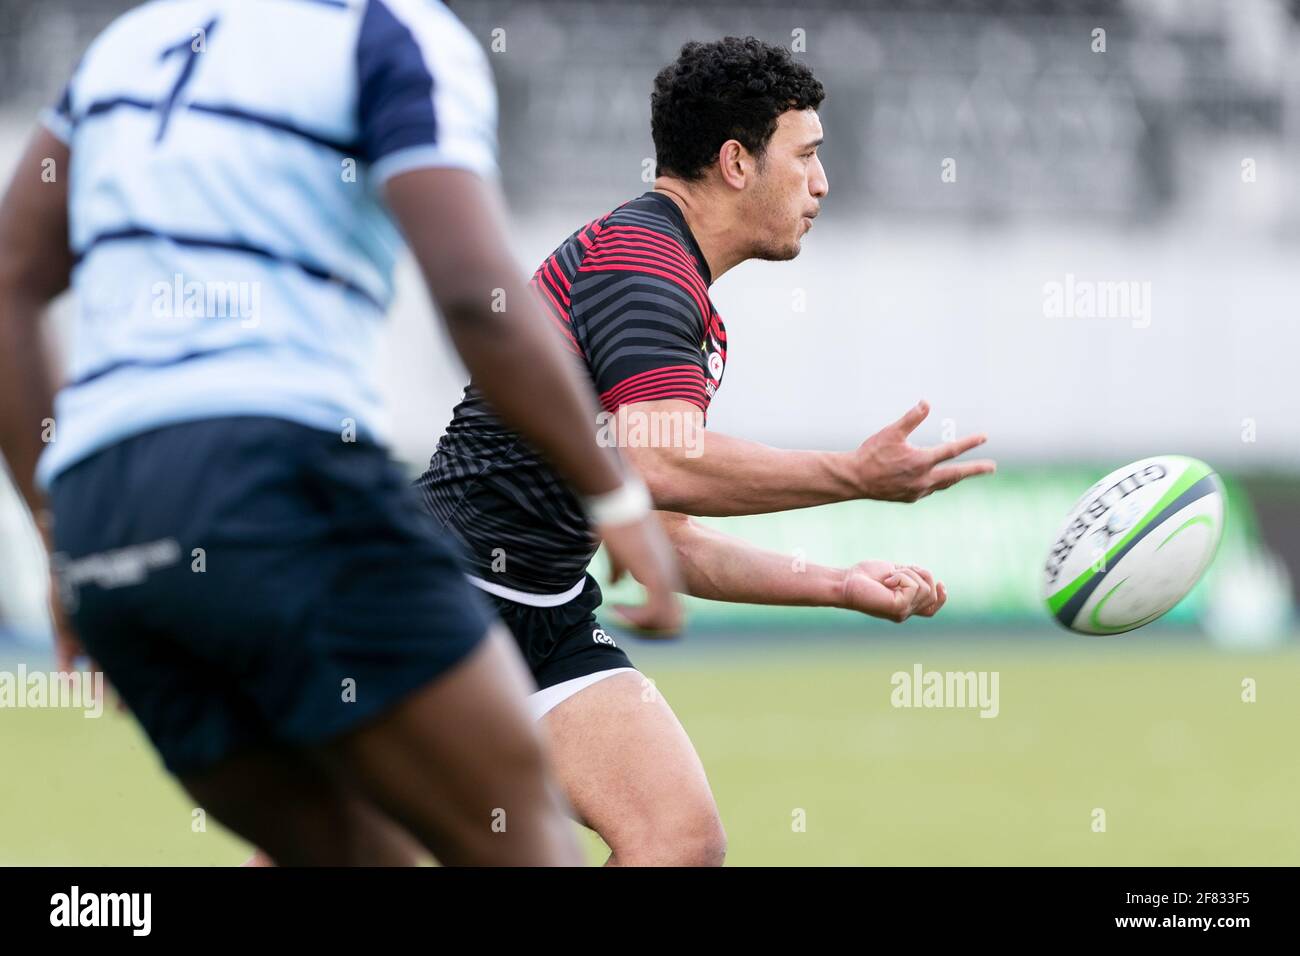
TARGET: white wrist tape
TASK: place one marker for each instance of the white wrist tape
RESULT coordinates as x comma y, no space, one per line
627,503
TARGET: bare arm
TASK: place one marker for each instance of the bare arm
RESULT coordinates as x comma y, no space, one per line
732,476
720,567
35,265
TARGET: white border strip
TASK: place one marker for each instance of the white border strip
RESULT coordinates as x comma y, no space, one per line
526,597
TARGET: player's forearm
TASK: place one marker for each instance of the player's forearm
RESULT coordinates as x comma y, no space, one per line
35,265
26,390
707,473
719,567
732,476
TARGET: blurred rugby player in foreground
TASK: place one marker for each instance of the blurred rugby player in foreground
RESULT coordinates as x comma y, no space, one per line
236,550
736,132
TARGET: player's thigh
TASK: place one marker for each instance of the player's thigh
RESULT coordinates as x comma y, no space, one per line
327,822
632,774
462,765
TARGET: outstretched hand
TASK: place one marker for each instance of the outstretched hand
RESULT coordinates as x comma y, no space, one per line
893,469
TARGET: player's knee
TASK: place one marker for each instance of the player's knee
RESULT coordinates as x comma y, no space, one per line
690,836
705,843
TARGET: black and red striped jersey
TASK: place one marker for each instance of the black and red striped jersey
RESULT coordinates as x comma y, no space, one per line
630,294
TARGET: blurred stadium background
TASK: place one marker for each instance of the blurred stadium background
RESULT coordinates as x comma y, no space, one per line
1161,152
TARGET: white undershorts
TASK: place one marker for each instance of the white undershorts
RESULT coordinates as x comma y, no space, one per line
543,701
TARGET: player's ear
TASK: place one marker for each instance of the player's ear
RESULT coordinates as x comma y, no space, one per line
735,164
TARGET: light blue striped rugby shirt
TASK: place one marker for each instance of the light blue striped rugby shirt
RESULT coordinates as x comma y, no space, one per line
233,252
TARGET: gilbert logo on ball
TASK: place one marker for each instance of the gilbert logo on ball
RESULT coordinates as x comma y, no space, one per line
1134,545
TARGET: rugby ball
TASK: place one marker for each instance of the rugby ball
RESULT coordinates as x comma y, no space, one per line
1134,545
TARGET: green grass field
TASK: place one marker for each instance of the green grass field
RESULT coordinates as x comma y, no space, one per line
1155,733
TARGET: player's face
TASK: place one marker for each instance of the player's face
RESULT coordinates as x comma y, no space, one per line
788,192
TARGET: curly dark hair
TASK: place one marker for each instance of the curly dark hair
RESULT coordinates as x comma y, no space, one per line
731,88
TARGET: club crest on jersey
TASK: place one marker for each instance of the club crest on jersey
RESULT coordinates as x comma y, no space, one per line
715,365
714,362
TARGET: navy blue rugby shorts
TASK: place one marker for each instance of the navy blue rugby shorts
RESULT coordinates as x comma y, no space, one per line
247,582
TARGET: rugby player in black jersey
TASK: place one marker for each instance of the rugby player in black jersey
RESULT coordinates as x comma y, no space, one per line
736,132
